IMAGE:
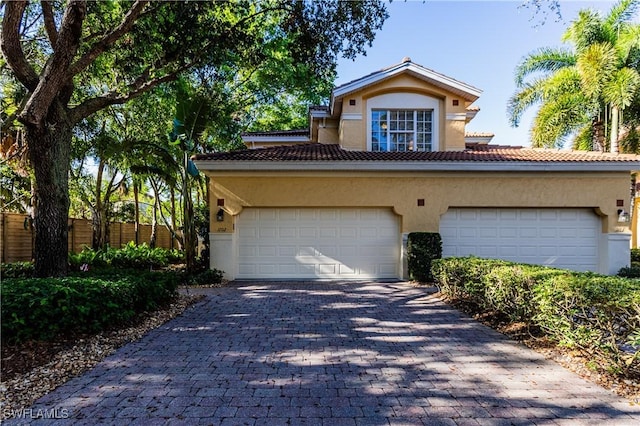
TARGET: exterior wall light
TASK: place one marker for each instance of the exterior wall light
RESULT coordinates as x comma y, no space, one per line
623,216
220,215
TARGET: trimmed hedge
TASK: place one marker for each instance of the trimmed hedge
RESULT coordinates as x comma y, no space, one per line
44,308
594,312
422,249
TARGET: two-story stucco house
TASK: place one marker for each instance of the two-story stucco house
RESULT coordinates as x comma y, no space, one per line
390,156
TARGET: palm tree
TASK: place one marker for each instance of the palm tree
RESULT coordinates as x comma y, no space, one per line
582,90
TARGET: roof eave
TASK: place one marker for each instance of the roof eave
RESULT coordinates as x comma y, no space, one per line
467,91
417,166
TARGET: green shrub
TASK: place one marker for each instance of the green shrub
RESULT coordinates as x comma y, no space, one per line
635,255
130,256
44,308
422,249
206,277
630,272
16,270
598,313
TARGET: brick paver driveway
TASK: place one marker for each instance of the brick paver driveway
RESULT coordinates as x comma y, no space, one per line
334,354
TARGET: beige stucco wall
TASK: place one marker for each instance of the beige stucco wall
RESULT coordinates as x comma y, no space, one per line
440,190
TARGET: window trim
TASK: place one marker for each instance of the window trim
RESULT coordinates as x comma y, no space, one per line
405,101
389,131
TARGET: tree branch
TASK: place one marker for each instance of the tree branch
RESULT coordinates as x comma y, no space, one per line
49,22
108,40
55,74
141,86
11,46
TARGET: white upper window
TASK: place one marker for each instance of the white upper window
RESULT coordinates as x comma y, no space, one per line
402,121
401,130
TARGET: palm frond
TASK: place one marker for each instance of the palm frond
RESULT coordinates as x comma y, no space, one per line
585,30
596,65
529,95
628,46
556,120
621,89
620,13
545,60
583,141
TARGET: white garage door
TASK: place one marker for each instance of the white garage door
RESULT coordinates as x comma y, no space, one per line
563,238
317,243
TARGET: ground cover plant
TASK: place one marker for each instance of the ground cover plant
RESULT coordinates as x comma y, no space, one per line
49,308
595,314
633,271
139,256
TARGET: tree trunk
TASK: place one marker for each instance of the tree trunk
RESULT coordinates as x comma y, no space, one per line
97,218
615,125
173,216
136,219
598,135
154,218
49,150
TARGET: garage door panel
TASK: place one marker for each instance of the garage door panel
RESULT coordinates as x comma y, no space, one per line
328,232
528,232
488,251
467,232
548,251
363,243
247,269
528,215
508,232
346,271
288,215
267,251
268,215
558,237
287,232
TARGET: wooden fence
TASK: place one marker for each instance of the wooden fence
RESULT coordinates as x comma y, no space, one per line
16,236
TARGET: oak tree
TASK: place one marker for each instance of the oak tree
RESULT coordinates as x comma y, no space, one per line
75,58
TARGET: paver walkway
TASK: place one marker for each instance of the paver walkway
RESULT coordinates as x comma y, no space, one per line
329,354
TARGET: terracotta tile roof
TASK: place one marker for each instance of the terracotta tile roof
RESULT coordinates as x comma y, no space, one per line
479,135
481,153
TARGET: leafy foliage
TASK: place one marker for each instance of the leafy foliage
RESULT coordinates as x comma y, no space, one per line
205,277
87,57
130,256
600,314
16,270
630,272
422,249
582,90
44,308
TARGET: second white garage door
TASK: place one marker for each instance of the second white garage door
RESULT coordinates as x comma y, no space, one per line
312,243
563,238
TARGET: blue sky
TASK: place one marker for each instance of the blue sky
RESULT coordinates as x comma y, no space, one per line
477,42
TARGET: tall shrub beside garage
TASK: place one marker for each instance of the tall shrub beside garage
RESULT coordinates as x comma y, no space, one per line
422,249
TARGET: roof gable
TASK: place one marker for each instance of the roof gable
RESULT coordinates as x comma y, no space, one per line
457,87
